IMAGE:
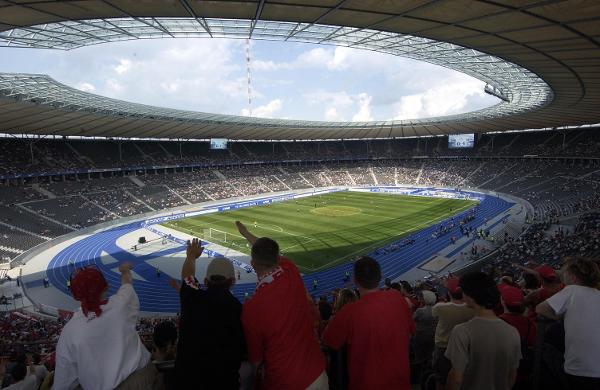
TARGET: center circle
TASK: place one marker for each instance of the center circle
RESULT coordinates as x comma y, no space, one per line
337,211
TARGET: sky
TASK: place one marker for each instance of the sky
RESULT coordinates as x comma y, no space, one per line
288,80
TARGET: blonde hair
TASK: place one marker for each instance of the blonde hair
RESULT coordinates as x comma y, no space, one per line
345,296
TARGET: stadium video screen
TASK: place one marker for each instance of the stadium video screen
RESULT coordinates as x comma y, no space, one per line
218,143
460,141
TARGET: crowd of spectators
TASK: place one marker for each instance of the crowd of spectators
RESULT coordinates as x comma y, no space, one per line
42,156
470,332
555,189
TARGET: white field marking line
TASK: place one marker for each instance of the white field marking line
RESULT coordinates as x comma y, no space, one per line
295,245
279,228
193,233
358,211
283,231
378,244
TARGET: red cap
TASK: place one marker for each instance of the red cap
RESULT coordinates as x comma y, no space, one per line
546,272
87,287
512,296
452,284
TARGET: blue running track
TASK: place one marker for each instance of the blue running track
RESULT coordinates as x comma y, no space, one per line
157,296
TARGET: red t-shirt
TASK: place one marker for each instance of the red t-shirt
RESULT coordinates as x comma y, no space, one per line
524,325
279,325
377,330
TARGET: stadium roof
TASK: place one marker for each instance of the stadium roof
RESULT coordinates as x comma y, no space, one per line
540,57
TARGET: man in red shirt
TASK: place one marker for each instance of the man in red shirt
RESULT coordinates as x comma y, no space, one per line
279,323
376,329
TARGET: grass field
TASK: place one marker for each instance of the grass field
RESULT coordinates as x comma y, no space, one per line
324,230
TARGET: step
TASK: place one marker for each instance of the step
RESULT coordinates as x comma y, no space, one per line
373,176
178,195
24,231
45,217
219,175
282,182
43,191
136,181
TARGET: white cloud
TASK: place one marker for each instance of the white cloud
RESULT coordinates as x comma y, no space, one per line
312,82
200,75
409,107
329,58
338,99
331,114
364,108
114,87
267,65
266,111
340,59
85,87
171,86
341,105
448,98
123,67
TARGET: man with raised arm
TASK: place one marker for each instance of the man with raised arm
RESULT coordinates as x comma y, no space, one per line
99,348
279,322
211,343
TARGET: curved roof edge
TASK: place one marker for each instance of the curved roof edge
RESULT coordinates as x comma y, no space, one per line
556,41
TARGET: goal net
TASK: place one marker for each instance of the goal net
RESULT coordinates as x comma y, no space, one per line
217,235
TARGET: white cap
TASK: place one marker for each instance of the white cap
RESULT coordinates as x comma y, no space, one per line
220,266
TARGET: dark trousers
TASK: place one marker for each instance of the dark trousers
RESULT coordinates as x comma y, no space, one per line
583,382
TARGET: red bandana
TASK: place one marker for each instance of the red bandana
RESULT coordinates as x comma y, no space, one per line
87,287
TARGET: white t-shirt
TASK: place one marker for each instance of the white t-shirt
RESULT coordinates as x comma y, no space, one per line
29,383
40,372
581,308
102,352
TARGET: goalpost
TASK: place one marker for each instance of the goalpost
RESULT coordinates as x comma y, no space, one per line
217,235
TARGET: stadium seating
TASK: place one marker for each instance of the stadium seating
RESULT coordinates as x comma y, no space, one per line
36,209
71,201
58,155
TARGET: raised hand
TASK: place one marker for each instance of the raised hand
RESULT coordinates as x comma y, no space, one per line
241,227
194,249
245,233
125,267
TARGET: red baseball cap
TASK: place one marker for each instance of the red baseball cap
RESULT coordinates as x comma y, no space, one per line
452,284
512,296
546,272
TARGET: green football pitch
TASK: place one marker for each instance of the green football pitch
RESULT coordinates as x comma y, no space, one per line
323,230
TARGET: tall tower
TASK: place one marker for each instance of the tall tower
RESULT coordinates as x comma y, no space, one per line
249,79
